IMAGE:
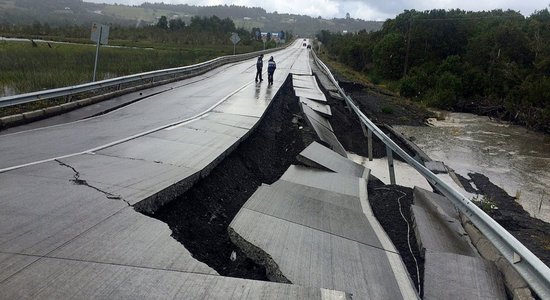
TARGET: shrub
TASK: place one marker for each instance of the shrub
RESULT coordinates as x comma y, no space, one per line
387,110
418,82
388,56
486,204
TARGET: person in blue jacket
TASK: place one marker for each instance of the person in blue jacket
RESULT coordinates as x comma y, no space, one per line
271,66
259,66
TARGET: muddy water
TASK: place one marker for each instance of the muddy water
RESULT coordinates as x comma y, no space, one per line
514,158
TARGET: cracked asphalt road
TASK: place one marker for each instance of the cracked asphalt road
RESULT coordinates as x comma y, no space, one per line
77,180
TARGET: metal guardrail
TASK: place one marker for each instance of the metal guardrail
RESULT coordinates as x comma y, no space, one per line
529,266
136,78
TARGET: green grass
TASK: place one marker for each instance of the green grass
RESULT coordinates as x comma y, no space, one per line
26,69
387,110
345,71
487,204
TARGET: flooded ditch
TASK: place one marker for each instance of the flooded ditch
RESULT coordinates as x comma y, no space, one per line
512,157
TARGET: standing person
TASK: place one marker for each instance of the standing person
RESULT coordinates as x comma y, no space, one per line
271,66
259,66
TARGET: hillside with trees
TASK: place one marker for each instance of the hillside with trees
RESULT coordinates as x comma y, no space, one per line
495,63
57,13
54,13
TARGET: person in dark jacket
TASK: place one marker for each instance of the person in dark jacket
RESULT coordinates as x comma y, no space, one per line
271,66
259,66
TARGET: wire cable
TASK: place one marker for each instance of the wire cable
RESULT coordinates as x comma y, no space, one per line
408,233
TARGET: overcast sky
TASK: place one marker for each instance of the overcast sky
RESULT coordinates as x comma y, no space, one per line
366,9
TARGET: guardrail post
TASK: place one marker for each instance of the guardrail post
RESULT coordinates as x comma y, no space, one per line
368,134
369,143
363,127
389,153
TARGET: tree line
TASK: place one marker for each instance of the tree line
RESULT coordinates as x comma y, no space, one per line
495,63
168,32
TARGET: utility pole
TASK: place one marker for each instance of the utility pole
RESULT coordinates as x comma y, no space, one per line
408,48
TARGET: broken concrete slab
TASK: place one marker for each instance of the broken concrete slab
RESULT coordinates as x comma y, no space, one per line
437,167
453,276
336,95
299,77
320,242
310,93
434,202
324,133
132,239
124,176
320,74
438,226
323,109
313,213
318,156
304,83
311,114
345,201
326,83
51,278
436,233
333,182
306,256
405,175
121,177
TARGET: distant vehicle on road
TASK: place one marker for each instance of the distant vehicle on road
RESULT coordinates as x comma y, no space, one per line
309,46
304,44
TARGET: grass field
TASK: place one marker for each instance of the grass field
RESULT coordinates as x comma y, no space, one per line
26,68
